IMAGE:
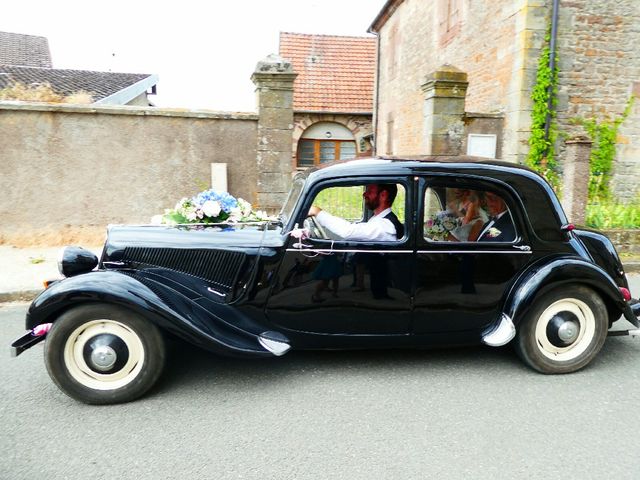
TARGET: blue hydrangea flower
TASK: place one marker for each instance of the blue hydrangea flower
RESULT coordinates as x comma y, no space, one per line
226,201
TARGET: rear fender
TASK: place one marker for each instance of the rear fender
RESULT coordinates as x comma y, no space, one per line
556,273
168,309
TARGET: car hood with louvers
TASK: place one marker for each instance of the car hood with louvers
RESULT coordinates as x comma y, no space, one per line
212,253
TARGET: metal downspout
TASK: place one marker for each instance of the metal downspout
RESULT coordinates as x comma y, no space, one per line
552,65
374,140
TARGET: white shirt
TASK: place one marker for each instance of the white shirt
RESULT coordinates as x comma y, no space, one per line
376,229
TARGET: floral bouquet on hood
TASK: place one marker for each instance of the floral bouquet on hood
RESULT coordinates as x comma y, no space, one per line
210,207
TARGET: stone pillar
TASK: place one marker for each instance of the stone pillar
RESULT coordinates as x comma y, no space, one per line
575,189
274,78
445,91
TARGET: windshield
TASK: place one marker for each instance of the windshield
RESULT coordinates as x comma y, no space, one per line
292,200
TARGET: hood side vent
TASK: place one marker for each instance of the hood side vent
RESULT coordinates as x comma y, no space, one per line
219,267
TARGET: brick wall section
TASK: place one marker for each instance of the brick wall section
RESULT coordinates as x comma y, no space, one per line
76,169
496,44
599,67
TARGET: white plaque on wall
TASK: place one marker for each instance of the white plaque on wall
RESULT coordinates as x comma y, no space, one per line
482,145
219,177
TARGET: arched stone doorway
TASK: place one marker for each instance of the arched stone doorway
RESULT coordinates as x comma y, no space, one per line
324,142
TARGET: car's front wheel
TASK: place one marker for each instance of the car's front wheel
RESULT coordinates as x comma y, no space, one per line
563,331
101,354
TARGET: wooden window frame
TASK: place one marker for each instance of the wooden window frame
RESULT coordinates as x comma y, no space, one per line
449,20
316,150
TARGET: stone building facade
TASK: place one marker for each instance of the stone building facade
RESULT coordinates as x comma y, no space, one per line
332,96
497,45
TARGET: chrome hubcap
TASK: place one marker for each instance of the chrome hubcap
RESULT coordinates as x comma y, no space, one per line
103,358
568,332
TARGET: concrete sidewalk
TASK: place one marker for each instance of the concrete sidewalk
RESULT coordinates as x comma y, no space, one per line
22,270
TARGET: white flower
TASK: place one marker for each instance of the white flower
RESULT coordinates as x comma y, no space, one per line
245,207
156,220
493,232
211,208
191,216
235,215
181,203
449,223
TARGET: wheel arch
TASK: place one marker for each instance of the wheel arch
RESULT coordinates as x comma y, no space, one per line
197,326
95,287
540,279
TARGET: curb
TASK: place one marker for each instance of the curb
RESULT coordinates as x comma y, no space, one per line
19,296
631,267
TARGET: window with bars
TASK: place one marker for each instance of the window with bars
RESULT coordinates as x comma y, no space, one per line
315,152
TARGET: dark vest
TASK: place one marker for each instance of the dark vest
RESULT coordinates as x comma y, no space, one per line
396,223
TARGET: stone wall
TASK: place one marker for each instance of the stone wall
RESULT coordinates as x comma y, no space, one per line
496,43
599,62
627,242
273,79
68,171
484,124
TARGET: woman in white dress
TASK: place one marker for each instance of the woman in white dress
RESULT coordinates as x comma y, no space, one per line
468,207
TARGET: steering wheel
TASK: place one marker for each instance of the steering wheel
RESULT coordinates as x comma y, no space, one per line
315,229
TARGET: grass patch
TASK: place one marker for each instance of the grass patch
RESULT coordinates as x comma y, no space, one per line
610,214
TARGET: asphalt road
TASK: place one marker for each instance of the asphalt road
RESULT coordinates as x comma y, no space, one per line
475,413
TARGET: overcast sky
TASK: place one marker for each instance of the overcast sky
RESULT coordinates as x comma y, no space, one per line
203,51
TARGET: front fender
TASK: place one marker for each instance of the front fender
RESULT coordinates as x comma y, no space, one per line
556,272
161,305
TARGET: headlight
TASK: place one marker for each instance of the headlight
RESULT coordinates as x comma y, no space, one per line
76,260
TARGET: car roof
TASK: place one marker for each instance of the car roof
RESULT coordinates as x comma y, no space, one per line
385,165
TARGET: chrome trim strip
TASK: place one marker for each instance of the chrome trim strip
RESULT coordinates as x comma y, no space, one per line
209,289
476,251
275,347
114,264
335,250
501,335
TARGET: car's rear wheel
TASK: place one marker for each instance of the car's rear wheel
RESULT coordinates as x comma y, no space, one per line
563,331
101,353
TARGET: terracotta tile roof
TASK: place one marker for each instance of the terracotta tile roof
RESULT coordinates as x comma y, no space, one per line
335,74
65,82
24,50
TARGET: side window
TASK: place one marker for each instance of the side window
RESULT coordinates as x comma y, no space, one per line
361,212
461,214
344,202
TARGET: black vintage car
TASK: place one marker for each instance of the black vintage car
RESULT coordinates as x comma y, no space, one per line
453,276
